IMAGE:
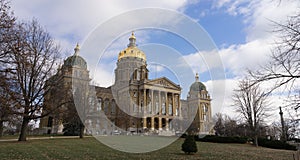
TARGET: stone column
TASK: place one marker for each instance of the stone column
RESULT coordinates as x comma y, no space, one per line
167,124
138,101
167,103
145,101
159,103
144,122
159,124
152,123
173,105
152,102
179,106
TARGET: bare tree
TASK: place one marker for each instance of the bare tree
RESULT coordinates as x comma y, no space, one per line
283,70
252,104
34,56
227,126
219,124
6,102
7,22
291,129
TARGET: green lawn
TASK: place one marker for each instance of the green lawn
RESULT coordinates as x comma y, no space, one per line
90,148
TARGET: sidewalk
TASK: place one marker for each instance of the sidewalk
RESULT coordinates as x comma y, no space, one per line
35,138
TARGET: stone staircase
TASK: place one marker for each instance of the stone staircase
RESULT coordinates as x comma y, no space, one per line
166,133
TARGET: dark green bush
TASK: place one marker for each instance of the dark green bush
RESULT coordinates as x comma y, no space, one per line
275,144
71,129
218,139
183,135
189,145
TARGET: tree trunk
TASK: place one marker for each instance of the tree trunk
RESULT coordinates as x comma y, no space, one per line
81,133
1,128
256,141
24,127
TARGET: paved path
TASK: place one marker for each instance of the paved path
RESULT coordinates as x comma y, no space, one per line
33,138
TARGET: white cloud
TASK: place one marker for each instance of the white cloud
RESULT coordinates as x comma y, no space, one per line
259,14
249,55
266,11
73,20
226,106
103,74
221,99
155,68
260,38
238,58
233,7
70,21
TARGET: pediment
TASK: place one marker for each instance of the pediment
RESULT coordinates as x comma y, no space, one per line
164,82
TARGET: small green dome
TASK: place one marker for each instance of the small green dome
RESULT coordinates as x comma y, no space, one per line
197,86
75,60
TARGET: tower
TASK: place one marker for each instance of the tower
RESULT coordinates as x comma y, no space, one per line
199,102
71,76
131,64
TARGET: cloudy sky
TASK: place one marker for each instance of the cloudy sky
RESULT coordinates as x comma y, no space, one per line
217,38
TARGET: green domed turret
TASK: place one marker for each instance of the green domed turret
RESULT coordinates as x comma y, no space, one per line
197,85
76,60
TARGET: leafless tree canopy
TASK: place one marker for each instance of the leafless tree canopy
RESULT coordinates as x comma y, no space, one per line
251,103
7,22
32,56
284,68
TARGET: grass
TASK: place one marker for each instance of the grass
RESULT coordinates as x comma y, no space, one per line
90,148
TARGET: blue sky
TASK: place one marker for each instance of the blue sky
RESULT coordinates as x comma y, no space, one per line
240,30
224,29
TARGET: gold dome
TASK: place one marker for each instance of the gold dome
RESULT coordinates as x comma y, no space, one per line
132,50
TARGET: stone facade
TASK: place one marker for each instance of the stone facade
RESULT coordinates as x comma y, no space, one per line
133,104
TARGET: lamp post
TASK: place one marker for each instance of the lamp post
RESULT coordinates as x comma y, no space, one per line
282,125
244,130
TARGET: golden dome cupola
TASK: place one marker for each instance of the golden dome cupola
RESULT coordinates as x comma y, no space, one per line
132,40
132,50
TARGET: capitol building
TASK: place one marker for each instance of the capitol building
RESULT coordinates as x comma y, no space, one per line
134,104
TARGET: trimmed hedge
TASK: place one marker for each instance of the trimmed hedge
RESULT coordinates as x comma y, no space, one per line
275,144
189,145
218,139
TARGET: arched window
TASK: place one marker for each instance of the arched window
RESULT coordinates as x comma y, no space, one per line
90,123
134,94
99,104
149,104
137,75
156,105
134,107
113,107
106,104
91,104
205,108
163,108
170,109
142,106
